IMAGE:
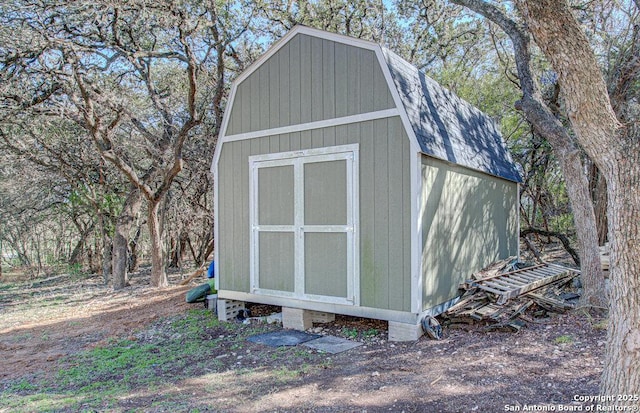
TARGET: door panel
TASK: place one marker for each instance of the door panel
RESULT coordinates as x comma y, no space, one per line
325,193
276,261
325,264
275,197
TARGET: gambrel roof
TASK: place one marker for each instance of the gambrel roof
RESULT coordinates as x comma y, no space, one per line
446,126
438,122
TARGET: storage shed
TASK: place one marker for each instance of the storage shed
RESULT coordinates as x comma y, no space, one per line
348,182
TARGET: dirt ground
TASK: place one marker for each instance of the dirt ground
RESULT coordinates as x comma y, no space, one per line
551,362
36,330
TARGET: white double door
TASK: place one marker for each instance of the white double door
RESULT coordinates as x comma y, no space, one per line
304,235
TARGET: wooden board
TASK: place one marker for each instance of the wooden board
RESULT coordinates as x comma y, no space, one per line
515,283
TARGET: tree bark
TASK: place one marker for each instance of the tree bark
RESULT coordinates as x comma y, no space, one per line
121,238
549,127
106,257
622,361
577,184
77,253
158,270
133,251
616,152
156,180
598,188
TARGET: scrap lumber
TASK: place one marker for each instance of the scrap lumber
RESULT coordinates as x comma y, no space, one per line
501,299
515,283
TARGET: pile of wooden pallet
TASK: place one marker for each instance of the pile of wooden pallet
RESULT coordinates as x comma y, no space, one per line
500,299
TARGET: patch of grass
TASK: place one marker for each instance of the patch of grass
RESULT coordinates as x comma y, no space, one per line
22,385
284,373
195,323
97,368
301,352
7,286
40,402
601,325
21,337
564,339
351,333
287,373
279,352
161,355
372,332
104,374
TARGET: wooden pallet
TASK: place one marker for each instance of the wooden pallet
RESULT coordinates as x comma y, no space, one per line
515,283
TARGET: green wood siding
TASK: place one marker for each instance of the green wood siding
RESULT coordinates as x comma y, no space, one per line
469,220
385,218
307,80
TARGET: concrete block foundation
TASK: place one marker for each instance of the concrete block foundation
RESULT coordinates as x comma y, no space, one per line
404,331
296,318
229,309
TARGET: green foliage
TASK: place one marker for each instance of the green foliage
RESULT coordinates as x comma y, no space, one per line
131,363
167,352
7,286
22,386
601,324
351,333
563,223
75,270
564,339
371,332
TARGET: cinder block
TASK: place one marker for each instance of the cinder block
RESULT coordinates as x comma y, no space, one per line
228,309
321,317
296,318
404,331
211,302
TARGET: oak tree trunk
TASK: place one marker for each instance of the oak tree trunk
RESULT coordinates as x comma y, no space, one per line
598,188
134,263
549,127
121,239
622,360
577,184
106,248
158,270
616,152
106,258
76,255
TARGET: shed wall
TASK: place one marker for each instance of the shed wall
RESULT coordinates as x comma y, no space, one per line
469,220
309,79
385,212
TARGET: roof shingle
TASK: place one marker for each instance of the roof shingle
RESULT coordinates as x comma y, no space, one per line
446,126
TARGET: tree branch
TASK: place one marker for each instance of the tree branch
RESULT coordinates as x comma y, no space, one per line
563,239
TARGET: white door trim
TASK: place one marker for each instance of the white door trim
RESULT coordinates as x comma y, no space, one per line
297,159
